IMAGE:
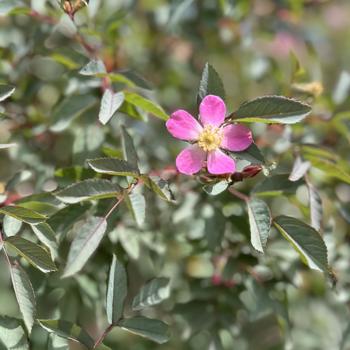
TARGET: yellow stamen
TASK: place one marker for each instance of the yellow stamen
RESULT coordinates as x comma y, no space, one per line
210,138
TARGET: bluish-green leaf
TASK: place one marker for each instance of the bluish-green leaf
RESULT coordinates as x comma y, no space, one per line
24,294
33,253
69,109
11,225
88,190
260,223
271,109
152,293
116,291
86,241
113,166
276,185
146,327
12,335
216,188
110,103
129,151
305,240
137,205
93,67
68,330
46,236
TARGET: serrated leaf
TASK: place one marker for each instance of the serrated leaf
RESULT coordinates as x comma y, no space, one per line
146,327
158,186
137,205
113,166
84,244
33,253
152,293
6,90
300,168
12,335
271,109
23,214
260,223
129,151
116,291
216,188
69,109
146,105
210,84
315,204
276,185
11,225
110,103
93,67
46,236
24,294
68,330
305,240
252,154
88,190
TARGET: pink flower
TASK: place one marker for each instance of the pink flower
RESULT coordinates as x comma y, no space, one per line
208,138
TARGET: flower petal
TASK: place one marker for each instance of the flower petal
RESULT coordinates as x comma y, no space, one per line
212,110
236,137
183,126
220,163
190,160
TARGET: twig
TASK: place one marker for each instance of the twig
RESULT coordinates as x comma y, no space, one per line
103,336
238,194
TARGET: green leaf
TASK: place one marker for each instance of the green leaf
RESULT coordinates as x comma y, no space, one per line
24,294
260,223
252,154
46,236
6,90
33,253
210,84
12,335
152,293
146,327
116,291
305,240
135,79
69,109
315,204
113,166
93,67
23,214
158,186
88,238
137,205
216,188
68,330
276,185
271,109
146,105
11,225
129,151
88,190
299,170
57,343
110,103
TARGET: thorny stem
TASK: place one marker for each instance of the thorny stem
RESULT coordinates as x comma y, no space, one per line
103,336
238,194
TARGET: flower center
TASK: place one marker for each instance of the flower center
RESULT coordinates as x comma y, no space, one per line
210,138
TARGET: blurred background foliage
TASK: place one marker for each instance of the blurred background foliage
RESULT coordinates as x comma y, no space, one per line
224,295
